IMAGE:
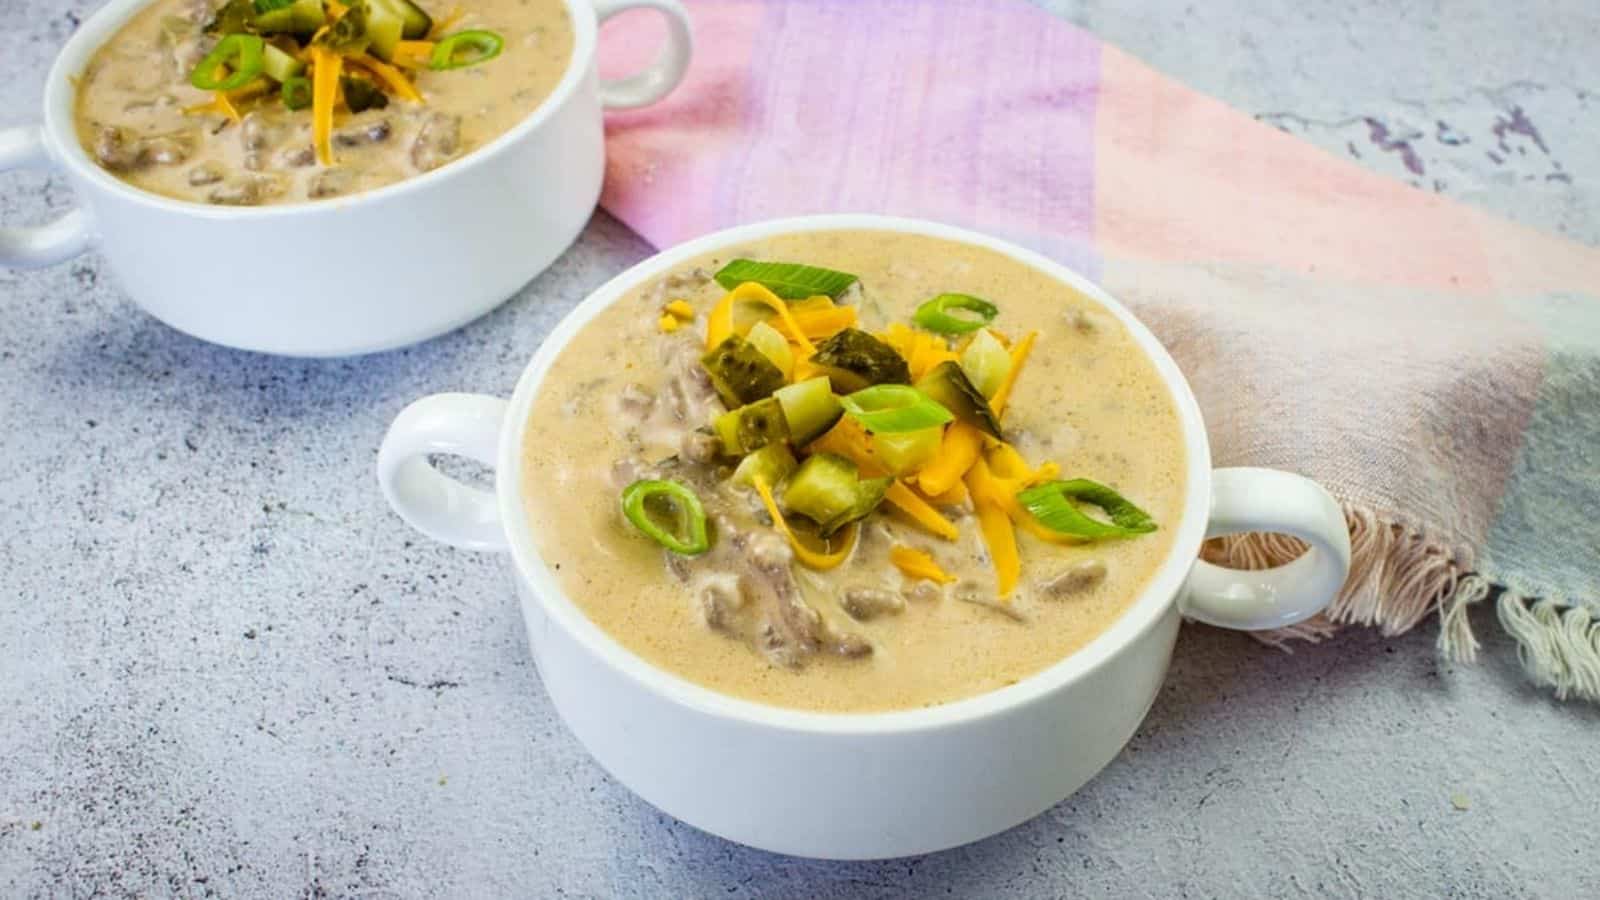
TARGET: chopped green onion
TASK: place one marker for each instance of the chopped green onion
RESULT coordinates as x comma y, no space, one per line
296,92
1052,504
239,54
669,514
465,48
894,408
791,281
935,314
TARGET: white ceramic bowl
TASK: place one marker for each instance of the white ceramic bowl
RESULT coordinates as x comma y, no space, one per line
859,785
371,271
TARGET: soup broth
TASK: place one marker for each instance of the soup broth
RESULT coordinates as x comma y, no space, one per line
628,399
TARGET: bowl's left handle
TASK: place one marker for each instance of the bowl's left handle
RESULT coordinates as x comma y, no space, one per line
659,78
40,245
430,501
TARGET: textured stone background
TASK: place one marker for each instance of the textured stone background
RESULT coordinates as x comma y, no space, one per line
226,669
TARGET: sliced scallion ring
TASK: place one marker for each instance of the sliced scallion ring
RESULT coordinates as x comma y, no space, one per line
296,92
894,408
1052,504
238,54
669,514
465,48
935,315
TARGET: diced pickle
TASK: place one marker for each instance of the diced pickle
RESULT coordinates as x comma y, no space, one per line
810,408
854,360
751,427
772,464
772,345
907,451
986,362
828,490
948,384
741,373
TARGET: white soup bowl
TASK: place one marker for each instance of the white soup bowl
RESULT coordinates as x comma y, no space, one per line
356,274
859,785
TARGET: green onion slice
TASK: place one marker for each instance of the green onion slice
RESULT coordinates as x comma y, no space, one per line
238,54
894,408
936,317
296,92
1052,504
669,514
465,48
791,281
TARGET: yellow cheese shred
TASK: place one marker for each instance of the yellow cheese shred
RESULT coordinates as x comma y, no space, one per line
669,323
324,92
995,524
413,54
961,446
720,324
389,75
680,308
1019,355
821,560
915,564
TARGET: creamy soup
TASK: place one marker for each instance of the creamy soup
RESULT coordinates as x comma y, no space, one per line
913,617
397,106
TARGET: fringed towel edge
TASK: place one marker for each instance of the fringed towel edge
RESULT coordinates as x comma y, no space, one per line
1399,575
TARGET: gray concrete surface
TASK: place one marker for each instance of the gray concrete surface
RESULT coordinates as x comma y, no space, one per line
226,669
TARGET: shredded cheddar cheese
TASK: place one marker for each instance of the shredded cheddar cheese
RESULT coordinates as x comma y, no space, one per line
1019,355
917,564
720,325
681,309
669,323
821,560
413,54
991,502
394,78
324,93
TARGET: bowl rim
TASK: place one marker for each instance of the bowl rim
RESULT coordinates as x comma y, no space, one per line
60,129
1159,595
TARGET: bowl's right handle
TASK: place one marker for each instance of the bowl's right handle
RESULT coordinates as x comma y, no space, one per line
1269,500
659,78
431,502
40,245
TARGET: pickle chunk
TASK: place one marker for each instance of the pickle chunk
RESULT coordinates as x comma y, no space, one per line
952,389
741,373
828,490
751,427
854,360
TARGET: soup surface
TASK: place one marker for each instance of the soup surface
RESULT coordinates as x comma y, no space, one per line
629,399
140,117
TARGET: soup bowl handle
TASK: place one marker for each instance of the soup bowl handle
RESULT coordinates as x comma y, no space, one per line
660,77
1269,500
435,504
41,245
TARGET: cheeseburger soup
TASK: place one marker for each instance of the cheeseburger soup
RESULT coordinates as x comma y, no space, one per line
872,471
249,102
